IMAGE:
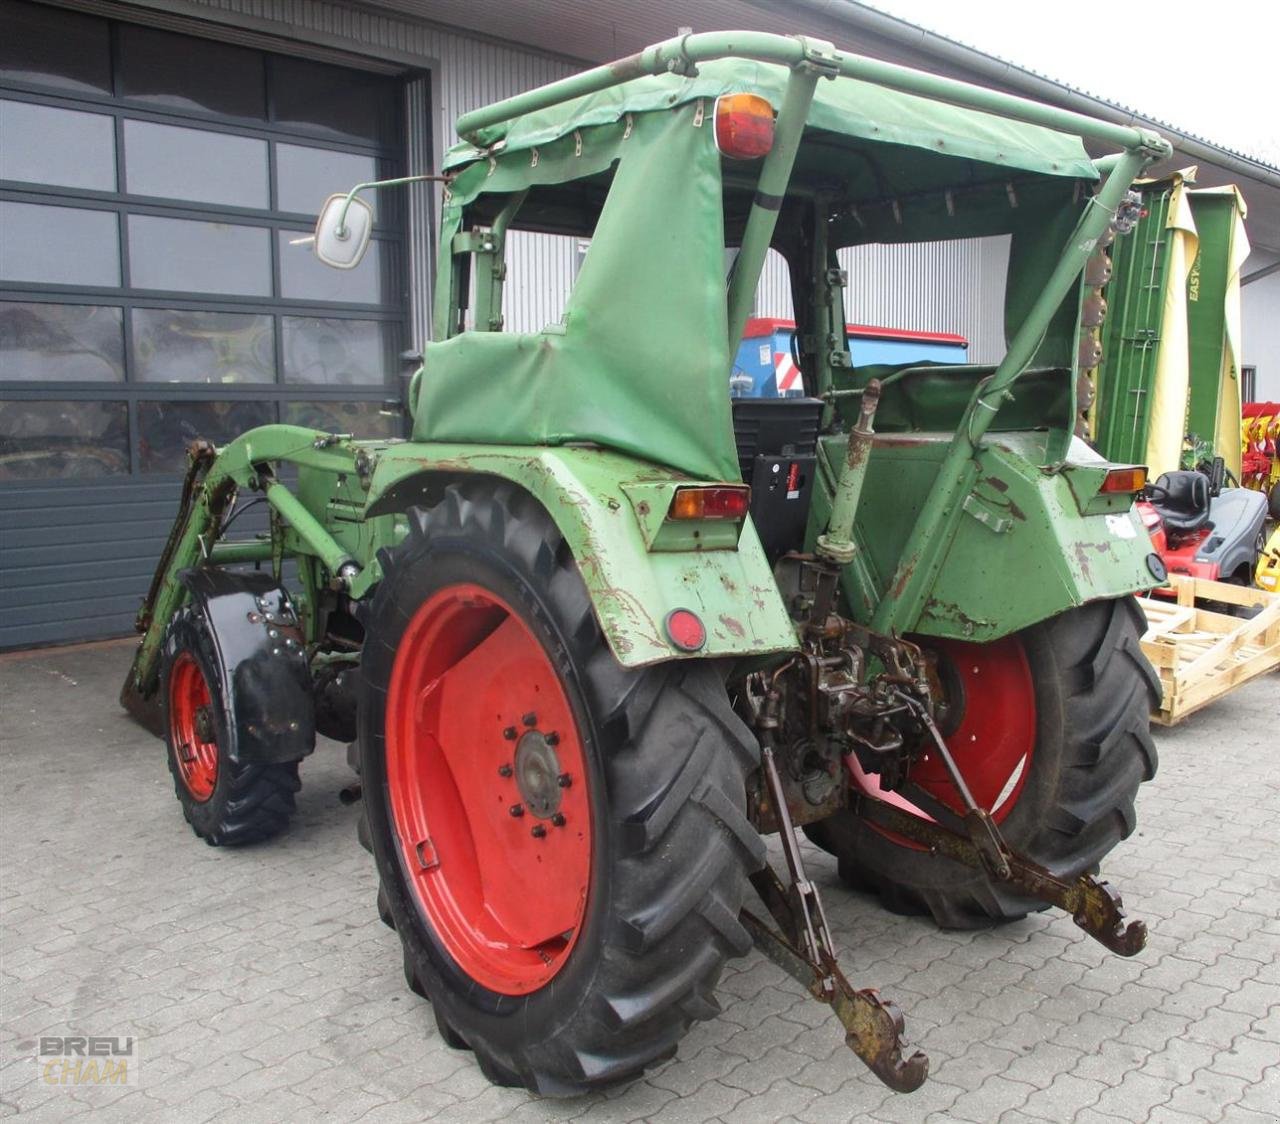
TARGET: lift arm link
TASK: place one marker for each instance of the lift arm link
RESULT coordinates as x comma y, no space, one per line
1093,905
873,1026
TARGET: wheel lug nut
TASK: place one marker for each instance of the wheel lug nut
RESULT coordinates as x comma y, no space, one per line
504,770
509,733
553,738
538,831
564,780
517,810
558,819
530,719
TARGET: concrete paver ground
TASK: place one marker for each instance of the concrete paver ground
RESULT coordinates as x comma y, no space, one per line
261,985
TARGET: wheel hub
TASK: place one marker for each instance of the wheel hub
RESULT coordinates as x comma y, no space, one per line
948,691
191,730
204,724
538,773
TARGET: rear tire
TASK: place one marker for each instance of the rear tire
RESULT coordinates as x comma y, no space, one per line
1093,691
664,762
226,801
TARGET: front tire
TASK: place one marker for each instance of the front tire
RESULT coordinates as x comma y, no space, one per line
1073,696
578,971
226,801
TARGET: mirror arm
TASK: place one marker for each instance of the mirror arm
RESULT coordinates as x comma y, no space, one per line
341,230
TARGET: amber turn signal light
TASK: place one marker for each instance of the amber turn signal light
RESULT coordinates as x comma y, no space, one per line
721,501
1128,479
744,125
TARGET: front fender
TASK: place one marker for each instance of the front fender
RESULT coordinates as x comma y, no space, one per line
261,657
632,587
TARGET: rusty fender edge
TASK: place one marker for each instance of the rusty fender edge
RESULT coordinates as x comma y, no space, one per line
632,589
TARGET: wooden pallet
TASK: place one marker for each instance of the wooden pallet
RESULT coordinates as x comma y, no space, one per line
1201,655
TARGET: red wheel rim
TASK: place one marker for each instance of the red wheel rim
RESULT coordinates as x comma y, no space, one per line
994,739
190,727
486,778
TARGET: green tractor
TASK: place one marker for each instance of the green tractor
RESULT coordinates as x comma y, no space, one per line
597,628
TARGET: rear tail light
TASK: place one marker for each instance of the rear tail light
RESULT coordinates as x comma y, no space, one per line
744,126
721,501
1128,479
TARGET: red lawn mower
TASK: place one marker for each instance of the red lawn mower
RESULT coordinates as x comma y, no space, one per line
1202,529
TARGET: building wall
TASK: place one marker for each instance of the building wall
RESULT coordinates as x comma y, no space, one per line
471,71
1260,313
462,72
927,287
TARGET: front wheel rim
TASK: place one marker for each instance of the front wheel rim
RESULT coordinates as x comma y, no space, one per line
488,790
195,748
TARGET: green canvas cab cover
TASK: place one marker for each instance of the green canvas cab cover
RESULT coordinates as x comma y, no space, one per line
639,361
844,106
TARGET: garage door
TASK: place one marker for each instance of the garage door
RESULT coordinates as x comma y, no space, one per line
151,185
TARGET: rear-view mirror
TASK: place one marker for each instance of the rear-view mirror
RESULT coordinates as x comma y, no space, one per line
342,231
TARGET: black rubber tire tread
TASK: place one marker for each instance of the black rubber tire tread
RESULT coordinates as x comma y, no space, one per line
673,846
1094,694
250,802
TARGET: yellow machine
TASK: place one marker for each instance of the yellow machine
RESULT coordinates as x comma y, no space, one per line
1260,445
1267,575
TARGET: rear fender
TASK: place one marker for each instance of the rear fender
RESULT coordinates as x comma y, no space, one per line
595,498
1028,542
261,657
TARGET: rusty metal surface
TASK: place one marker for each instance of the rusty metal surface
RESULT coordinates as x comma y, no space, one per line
138,695
1094,906
873,1026
806,951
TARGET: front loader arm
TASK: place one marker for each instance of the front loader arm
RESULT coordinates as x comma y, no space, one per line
214,477
609,508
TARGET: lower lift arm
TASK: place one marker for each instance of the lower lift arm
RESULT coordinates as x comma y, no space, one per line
802,946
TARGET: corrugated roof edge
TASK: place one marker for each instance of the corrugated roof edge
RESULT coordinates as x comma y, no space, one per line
1034,84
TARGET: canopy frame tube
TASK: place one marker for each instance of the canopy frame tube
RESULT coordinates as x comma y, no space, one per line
681,55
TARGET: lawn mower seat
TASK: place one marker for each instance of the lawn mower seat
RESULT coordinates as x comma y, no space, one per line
1182,499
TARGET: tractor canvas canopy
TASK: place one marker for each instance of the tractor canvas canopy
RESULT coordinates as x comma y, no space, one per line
845,106
640,359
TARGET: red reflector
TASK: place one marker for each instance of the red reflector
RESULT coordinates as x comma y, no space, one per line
744,125
685,630
1124,480
719,502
